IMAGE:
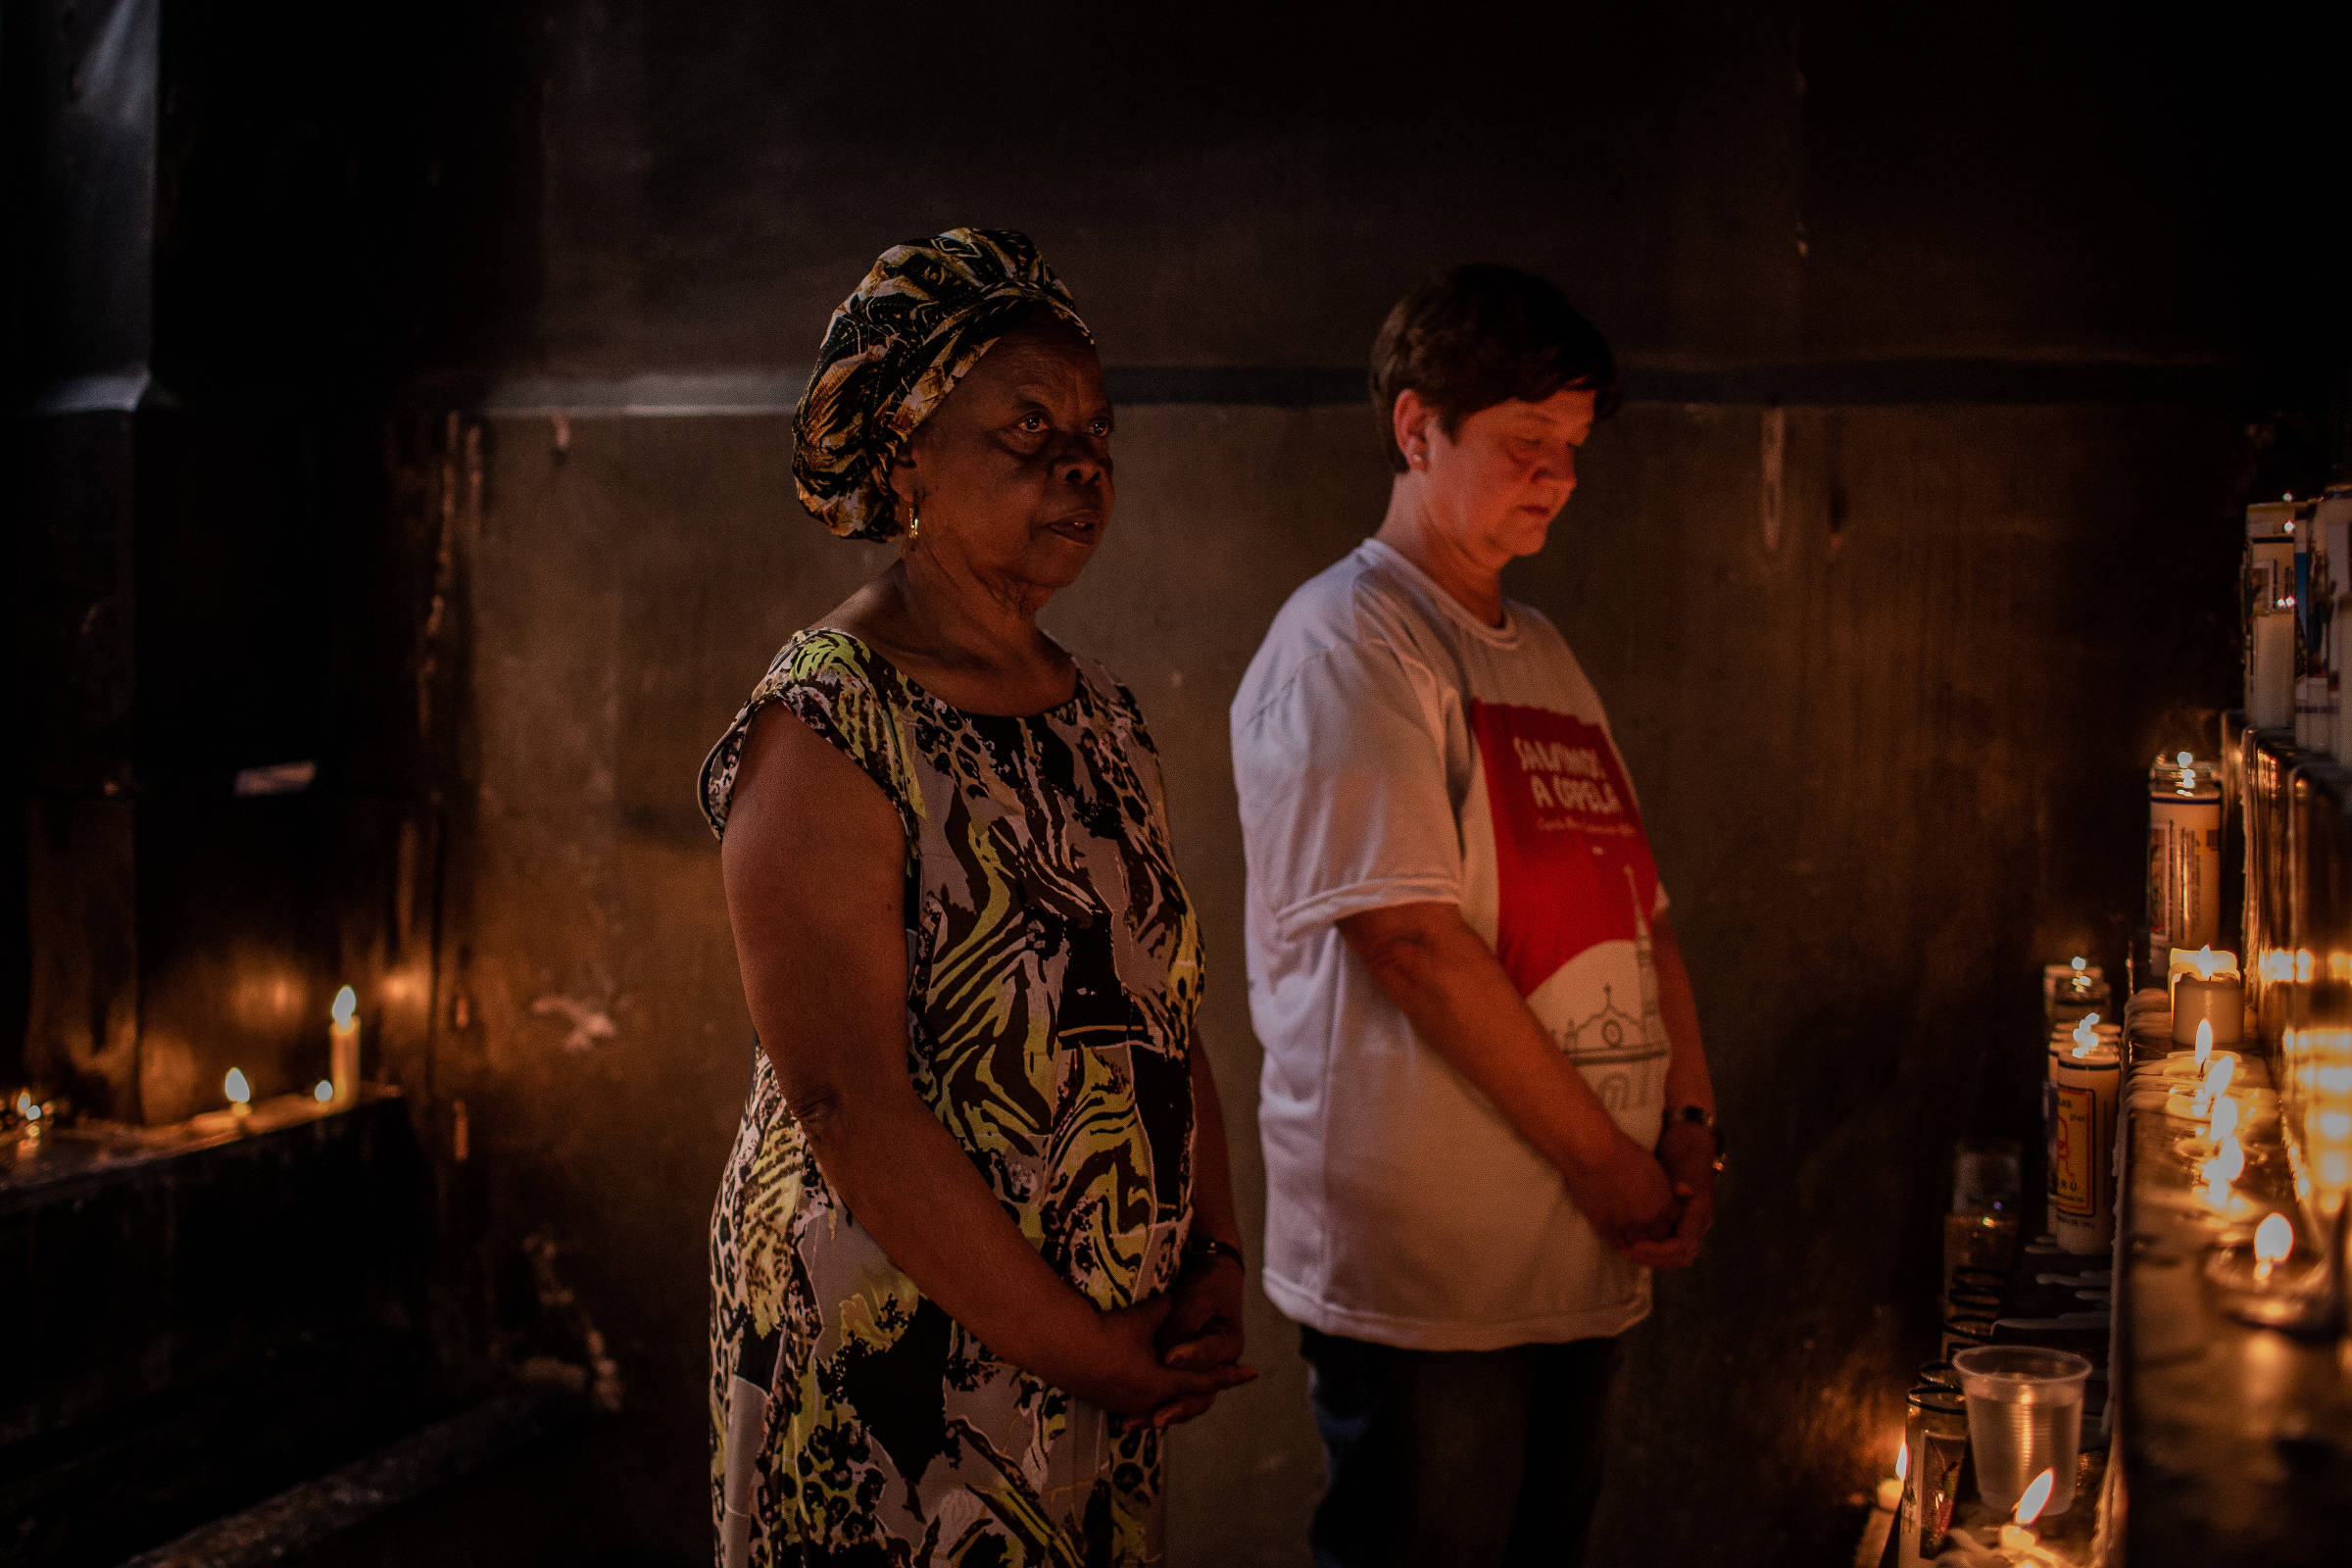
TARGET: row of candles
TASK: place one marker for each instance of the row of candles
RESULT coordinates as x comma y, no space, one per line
35,1115
2302,992
2207,1089
340,1086
2298,584
2202,1089
2168,1056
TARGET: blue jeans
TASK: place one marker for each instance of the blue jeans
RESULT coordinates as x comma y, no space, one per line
1458,1459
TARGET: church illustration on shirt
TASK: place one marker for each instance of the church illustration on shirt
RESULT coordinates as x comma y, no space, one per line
1611,1036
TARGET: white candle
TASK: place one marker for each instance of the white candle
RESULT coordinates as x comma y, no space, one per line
2185,853
343,1048
2219,1000
2084,1079
2205,961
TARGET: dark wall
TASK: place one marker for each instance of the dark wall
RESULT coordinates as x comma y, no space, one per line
1976,286
1954,335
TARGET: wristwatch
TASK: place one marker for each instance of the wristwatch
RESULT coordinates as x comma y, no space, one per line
1705,1119
1209,1247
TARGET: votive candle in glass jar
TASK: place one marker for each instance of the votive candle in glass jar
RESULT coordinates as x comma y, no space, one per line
2185,854
1935,1437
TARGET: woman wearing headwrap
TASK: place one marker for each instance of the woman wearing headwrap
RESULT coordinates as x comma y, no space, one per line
975,1246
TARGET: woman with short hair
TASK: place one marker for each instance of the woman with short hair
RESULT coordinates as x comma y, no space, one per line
1485,1106
975,1248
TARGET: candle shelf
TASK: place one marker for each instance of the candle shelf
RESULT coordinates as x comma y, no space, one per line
2233,1434
199,1314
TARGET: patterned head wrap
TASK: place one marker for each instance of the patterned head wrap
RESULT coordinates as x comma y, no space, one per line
894,351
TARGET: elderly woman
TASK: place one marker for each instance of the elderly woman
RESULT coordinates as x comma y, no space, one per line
975,1248
1486,1105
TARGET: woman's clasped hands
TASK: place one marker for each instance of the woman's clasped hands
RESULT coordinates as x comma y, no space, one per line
1166,1360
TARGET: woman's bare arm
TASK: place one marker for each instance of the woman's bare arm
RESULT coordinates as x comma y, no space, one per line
1461,1001
813,858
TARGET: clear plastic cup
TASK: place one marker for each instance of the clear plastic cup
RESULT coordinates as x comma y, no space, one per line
2024,1416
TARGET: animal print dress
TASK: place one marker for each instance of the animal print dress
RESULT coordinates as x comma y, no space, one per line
1054,968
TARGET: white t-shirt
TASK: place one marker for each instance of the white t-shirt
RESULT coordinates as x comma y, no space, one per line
1389,747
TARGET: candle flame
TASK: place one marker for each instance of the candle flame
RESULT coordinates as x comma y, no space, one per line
2080,964
234,1086
2217,1174
2204,1042
2087,1034
324,1093
2205,961
347,1002
2274,1242
2183,758
24,1105
2217,1081
2036,1497
2224,1120
1902,1455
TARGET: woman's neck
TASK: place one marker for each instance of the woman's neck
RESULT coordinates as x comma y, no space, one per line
972,643
962,618
1411,531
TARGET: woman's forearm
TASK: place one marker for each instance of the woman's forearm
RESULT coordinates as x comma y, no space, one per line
905,1179
1462,1002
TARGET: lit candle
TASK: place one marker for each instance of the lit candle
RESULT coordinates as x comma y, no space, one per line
2185,854
2205,963
2017,1536
1888,1498
2198,1060
2196,1104
343,1048
2218,998
1891,1490
2084,1083
2274,1243
239,1092
2222,1123
2215,1191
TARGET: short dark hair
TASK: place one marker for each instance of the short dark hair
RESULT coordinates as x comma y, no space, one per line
1479,335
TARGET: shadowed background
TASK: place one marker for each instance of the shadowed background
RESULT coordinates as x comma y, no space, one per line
1953,339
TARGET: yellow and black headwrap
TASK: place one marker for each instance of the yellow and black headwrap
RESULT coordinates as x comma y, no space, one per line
891,354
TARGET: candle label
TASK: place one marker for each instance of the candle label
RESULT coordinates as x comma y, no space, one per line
2184,869
2074,1152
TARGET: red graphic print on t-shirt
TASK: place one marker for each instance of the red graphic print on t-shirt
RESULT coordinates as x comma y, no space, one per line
1572,865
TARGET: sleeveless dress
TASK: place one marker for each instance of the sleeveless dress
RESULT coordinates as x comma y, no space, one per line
1054,971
